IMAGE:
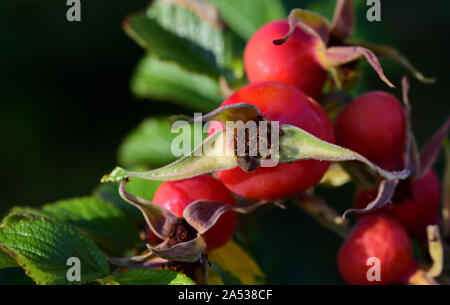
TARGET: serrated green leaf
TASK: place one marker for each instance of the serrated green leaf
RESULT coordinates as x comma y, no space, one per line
42,247
149,277
168,81
196,21
168,46
246,17
232,259
6,261
101,221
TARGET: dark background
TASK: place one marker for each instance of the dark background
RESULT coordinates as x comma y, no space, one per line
65,106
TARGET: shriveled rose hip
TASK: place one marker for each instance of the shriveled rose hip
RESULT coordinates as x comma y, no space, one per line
288,105
175,196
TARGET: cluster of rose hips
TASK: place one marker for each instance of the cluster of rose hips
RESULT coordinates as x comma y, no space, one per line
285,79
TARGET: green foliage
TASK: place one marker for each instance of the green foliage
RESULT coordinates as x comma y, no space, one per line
148,145
42,247
149,277
104,223
201,28
150,35
168,81
6,261
235,266
245,17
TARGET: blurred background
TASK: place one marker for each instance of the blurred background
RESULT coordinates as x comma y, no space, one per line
66,106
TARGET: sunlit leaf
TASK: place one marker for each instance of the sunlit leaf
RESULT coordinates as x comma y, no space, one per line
436,250
42,247
233,259
162,80
148,277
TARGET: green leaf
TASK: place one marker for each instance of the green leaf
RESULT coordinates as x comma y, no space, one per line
232,259
168,81
101,221
245,17
6,261
168,46
42,247
148,145
149,277
435,250
196,21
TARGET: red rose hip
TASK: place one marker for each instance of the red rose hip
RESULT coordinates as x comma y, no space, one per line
374,126
175,196
288,105
293,63
377,236
415,203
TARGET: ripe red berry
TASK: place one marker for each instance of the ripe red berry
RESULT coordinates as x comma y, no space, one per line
175,196
288,105
374,126
377,236
293,63
415,203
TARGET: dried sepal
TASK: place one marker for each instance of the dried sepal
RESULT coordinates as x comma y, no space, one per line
235,112
331,58
160,220
412,158
430,152
324,214
393,54
202,215
297,144
314,24
137,261
360,174
188,251
435,250
386,190
343,20
215,153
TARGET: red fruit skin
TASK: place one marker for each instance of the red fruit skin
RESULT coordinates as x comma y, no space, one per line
374,126
175,196
293,62
288,105
414,213
377,235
